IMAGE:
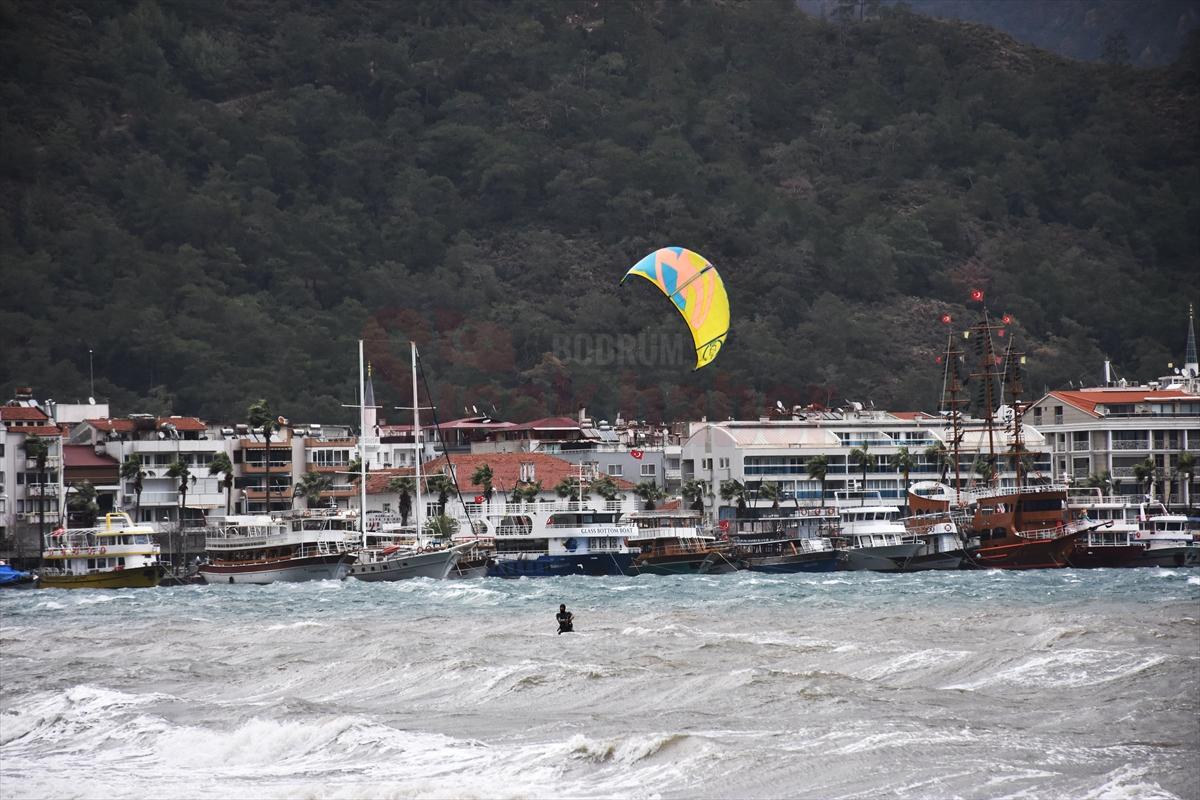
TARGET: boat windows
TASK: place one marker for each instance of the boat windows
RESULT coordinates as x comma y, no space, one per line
1047,504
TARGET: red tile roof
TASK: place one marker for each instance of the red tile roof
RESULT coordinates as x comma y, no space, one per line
85,456
22,413
1087,401
183,423
112,425
506,471
912,415
39,430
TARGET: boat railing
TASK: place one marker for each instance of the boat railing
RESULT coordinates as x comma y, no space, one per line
1058,531
304,551
983,494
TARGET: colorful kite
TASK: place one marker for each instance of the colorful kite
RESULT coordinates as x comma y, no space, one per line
697,291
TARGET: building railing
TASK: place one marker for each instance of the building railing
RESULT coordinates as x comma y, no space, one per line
1131,444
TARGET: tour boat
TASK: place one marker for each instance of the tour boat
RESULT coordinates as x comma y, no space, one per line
1172,540
871,537
551,538
797,543
674,543
293,546
115,555
1114,543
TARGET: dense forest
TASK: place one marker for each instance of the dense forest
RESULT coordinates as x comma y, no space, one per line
219,199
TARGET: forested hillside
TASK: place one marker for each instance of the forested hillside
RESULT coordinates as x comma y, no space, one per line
220,198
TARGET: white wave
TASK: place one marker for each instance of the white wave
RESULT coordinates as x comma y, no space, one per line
1068,667
1128,782
1193,580
305,623
908,662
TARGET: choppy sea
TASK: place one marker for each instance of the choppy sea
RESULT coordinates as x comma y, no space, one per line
1044,684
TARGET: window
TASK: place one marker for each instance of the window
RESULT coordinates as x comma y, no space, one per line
527,472
616,470
648,470
723,463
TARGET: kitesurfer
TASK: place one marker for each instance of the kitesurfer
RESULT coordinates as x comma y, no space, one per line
565,619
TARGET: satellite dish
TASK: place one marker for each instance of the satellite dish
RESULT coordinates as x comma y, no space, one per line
474,409
779,405
91,401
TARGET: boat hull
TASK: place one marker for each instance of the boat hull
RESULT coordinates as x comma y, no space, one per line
1181,556
684,564
1083,556
887,558
930,561
331,567
1027,554
140,578
801,562
548,566
436,565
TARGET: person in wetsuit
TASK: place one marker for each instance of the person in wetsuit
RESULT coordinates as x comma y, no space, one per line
566,620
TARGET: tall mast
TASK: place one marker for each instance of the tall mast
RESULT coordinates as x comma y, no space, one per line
362,448
952,401
1012,381
987,389
417,436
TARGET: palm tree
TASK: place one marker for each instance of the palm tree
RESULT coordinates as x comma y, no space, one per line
572,488
940,457
1187,468
404,488
83,503
312,486
904,461
650,492
1100,480
131,470
37,449
261,416
483,477
221,465
863,458
527,491
606,487
440,483
179,470
769,490
818,470
736,491
983,467
1145,473
693,492
441,526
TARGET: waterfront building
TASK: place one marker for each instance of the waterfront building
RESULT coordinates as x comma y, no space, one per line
780,451
29,499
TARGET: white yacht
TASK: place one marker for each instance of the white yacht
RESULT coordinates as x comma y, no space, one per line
871,534
1172,540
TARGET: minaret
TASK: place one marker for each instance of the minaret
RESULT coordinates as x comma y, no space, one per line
1191,364
369,411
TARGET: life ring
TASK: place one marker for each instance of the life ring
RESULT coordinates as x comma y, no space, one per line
75,552
103,550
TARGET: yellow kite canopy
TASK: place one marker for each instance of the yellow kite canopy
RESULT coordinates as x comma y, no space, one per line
697,291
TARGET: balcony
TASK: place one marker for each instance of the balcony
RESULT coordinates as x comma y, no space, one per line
41,490
328,468
1131,444
260,493
260,467
52,462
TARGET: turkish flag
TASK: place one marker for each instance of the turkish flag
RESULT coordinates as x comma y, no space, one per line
479,498
637,454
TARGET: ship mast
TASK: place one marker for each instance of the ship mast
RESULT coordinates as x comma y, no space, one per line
362,447
417,438
986,398
953,403
1013,383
